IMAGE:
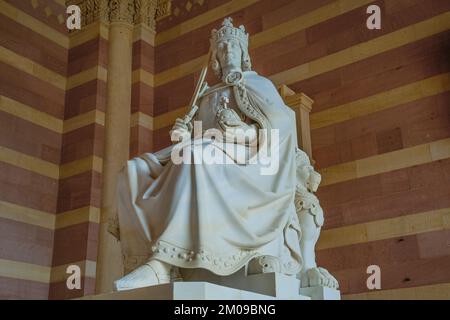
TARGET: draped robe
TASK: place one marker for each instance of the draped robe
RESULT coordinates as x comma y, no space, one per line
215,216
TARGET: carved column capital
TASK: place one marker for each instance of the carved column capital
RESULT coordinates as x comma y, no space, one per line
146,13
122,11
132,12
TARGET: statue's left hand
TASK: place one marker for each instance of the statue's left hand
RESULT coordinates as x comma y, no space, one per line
233,128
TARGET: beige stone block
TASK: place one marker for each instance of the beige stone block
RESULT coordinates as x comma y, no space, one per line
97,72
406,225
22,214
339,237
440,149
77,216
393,160
84,119
341,172
25,271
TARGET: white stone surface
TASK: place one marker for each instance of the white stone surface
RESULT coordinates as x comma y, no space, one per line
272,284
321,293
186,291
226,217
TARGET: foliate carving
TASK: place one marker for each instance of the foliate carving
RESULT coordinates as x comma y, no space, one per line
130,11
91,10
163,9
122,11
145,13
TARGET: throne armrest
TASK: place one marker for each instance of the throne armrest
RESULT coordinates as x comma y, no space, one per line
302,106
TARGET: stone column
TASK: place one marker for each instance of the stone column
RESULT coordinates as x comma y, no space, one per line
117,135
302,105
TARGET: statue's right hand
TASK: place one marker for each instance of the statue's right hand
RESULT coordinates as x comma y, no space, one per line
180,129
181,125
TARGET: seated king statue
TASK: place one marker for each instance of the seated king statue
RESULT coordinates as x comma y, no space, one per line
255,215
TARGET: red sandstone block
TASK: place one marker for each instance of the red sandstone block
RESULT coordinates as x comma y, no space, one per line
326,156
344,24
291,58
142,98
134,142
28,138
323,137
59,291
381,252
79,191
87,55
75,243
31,91
397,193
25,242
161,138
363,188
394,205
378,73
409,274
421,121
389,140
29,44
40,191
364,146
169,54
165,100
418,70
86,97
196,10
145,143
289,11
22,289
434,244
143,56
395,181
78,144
427,175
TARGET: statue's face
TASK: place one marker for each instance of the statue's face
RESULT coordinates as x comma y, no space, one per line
229,54
314,179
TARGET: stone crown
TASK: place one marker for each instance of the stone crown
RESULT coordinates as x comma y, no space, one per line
228,31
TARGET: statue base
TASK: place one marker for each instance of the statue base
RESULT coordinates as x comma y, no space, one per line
267,286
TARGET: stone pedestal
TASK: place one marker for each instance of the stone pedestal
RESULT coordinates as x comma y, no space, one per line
321,293
268,286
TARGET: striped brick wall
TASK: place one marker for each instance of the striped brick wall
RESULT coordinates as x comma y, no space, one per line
380,123
142,101
79,194
32,92
52,107
380,130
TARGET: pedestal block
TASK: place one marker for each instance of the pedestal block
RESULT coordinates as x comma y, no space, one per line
267,286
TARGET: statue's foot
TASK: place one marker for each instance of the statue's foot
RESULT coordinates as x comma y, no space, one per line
151,273
317,276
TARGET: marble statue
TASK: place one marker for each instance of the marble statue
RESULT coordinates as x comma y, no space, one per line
223,217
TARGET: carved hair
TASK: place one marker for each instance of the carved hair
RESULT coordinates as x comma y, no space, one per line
246,64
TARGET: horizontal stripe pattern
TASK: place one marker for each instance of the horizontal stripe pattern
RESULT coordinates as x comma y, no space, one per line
430,292
390,161
81,124
33,272
384,229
